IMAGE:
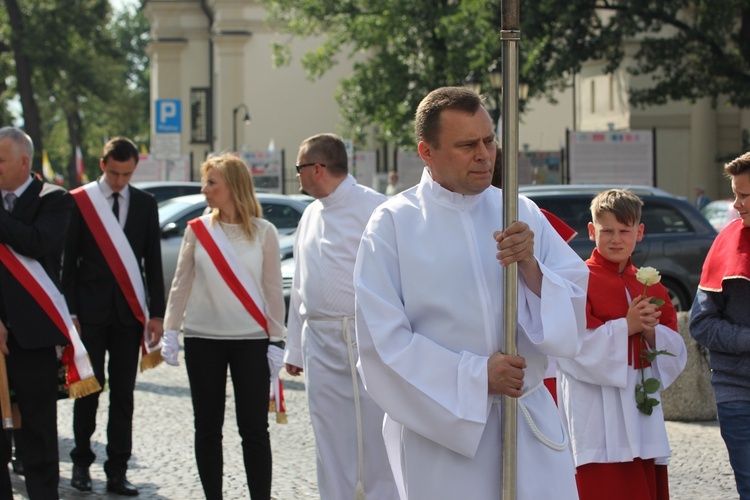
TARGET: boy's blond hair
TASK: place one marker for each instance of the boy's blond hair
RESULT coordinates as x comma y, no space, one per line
625,206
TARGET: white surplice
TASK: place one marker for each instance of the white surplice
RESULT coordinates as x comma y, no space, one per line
430,313
321,317
597,395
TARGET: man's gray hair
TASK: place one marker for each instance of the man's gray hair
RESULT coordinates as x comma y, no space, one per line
19,137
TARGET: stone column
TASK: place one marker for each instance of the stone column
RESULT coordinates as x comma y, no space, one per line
703,169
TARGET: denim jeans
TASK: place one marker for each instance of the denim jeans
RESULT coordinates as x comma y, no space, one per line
734,421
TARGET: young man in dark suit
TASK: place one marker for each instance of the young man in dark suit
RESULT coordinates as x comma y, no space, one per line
103,310
34,218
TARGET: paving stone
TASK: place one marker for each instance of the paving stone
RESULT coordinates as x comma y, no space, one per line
163,463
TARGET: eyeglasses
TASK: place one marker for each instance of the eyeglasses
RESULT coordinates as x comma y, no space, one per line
300,167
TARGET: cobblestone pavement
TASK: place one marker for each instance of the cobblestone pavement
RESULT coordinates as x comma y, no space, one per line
163,464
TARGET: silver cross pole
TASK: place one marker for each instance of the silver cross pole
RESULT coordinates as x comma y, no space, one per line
510,35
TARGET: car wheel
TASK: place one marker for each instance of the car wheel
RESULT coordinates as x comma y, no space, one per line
680,298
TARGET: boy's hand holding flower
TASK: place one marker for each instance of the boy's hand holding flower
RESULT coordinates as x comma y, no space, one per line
648,276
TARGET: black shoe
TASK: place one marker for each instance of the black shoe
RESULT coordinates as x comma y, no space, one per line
121,486
81,479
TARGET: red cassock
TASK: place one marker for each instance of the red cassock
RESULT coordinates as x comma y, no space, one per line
638,479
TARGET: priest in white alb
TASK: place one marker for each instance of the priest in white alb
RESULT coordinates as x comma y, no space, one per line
429,315
347,423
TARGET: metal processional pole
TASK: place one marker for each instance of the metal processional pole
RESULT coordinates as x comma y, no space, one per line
510,34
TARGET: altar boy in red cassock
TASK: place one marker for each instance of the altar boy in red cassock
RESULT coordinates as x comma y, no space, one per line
610,391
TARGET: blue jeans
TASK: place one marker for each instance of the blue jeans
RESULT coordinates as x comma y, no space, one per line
734,421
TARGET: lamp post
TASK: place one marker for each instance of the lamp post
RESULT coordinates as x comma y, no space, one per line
246,119
495,74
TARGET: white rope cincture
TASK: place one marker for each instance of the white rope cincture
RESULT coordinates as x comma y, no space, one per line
534,429
359,491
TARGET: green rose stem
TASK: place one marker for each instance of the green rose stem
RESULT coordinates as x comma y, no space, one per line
643,401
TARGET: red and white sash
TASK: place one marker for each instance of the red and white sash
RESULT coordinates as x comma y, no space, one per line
32,276
121,259
241,282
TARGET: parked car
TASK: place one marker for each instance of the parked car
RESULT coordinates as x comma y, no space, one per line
720,213
284,211
164,190
676,237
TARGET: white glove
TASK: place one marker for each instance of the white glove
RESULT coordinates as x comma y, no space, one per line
171,347
275,360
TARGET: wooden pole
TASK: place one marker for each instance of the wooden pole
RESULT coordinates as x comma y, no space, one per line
510,34
5,406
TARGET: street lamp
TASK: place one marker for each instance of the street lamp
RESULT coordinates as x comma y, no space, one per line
246,119
495,73
473,82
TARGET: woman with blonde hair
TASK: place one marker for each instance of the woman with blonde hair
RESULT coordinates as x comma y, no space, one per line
227,295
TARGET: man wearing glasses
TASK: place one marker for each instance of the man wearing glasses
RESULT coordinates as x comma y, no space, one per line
351,457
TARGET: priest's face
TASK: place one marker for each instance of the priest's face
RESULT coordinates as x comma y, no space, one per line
464,157
614,240
309,174
741,190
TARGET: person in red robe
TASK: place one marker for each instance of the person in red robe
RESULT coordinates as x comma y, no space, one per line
618,434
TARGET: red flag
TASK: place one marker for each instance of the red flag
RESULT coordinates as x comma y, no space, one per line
80,170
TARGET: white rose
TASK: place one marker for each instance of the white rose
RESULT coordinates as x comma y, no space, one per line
648,276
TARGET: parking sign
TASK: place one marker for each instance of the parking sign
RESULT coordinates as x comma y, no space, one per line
168,116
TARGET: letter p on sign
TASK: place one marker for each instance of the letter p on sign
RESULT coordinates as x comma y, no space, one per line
168,116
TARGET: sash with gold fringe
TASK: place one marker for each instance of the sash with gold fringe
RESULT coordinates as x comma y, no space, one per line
79,374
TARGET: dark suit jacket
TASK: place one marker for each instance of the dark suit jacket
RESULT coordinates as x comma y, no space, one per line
89,284
36,228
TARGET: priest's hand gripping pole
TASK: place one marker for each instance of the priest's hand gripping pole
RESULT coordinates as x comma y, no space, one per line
510,34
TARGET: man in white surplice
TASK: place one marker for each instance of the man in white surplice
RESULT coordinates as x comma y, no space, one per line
429,319
351,457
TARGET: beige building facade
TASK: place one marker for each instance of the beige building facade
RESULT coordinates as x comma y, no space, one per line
215,57
693,140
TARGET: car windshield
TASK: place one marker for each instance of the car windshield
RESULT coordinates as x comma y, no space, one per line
168,208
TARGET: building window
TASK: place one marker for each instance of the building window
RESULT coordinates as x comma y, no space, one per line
200,116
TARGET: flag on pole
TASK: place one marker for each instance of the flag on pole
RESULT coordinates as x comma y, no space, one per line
47,172
80,169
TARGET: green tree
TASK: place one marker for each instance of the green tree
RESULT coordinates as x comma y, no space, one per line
404,48
17,35
88,77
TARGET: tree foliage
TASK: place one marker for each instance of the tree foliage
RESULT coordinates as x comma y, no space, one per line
88,76
404,48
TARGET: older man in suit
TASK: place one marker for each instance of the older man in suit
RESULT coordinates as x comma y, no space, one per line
34,218
112,244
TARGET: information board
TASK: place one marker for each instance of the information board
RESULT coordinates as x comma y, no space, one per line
622,158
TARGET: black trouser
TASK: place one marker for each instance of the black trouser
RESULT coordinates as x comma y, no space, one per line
123,345
32,373
207,362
